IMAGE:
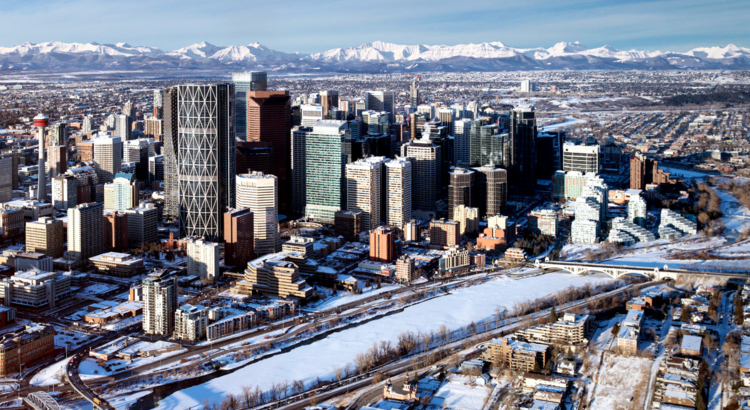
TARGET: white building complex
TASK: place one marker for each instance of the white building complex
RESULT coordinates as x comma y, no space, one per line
202,258
624,231
259,193
190,323
674,225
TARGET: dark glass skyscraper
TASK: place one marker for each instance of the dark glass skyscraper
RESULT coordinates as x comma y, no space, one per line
523,148
269,121
205,164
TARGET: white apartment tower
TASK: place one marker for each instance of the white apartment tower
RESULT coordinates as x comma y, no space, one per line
85,232
107,158
260,194
64,191
363,190
398,192
159,303
637,210
202,258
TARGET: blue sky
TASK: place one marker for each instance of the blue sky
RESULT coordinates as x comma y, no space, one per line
309,26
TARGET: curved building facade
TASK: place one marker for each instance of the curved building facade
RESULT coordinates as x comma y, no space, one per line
205,165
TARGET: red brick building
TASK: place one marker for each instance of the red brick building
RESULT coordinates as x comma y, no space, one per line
383,244
26,348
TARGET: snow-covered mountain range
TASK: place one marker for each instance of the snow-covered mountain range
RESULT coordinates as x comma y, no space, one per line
370,57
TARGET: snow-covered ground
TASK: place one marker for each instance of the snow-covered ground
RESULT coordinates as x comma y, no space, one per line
320,358
570,121
72,339
736,217
50,375
124,402
684,173
620,379
90,369
343,298
458,392
98,289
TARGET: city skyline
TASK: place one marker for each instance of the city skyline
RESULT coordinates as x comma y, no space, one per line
654,26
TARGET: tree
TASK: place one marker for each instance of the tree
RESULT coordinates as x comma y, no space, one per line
553,315
616,329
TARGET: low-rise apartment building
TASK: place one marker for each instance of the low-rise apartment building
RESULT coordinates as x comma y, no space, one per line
517,354
571,329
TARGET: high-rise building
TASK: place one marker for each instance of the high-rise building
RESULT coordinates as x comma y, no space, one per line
426,171
329,100
158,98
298,168
398,192
269,121
581,158
64,189
460,189
59,134
202,258
206,167
491,187
143,223
645,171
377,122
171,153
107,158
383,244
116,232
444,233
467,218
549,158
414,92
528,86
637,210
129,109
58,160
190,323
13,155
258,193
45,235
6,183
156,168
543,221
239,247
41,122
325,161
154,128
364,189
122,193
159,302
88,124
245,82
461,138
124,127
523,147
381,101
311,114
85,232
405,271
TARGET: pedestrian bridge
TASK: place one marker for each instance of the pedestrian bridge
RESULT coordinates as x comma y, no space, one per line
619,271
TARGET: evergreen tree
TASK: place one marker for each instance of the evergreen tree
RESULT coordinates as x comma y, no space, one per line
553,315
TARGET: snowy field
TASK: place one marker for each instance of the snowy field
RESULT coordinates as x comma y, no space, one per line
338,349
620,379
736,217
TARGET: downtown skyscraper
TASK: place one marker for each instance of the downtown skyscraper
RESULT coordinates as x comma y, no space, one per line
243,82
523,148
206,162
170,152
